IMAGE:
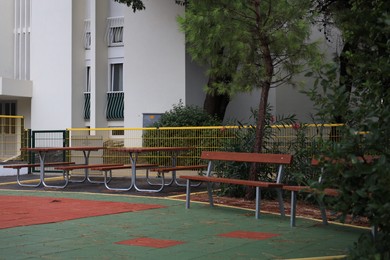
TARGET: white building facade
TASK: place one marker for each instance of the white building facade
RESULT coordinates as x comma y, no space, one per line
96,63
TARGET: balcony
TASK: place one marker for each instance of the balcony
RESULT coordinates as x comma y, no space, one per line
115,105
87,105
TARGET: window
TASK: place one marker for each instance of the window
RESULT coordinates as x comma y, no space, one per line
114,31
116,77
117,132
8,108
88,80
8,124
87,34
115,36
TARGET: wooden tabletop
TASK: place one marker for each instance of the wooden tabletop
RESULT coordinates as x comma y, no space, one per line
150,149
71,148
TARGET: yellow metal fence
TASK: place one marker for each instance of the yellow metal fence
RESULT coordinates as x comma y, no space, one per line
281,139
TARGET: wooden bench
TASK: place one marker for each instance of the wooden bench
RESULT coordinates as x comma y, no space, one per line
277,159
18,167
295,189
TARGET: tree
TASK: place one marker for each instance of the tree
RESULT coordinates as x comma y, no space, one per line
364,186
249,44
136,5
263,43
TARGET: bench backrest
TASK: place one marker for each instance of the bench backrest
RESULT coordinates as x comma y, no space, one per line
279,159
247,157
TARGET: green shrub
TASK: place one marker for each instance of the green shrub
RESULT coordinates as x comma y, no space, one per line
183,116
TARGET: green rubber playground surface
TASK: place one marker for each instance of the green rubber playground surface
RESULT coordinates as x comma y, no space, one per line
161,228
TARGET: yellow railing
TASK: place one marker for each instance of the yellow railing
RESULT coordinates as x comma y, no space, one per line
13,136
282,139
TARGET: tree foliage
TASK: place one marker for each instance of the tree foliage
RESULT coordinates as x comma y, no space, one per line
364,185
136,5
260,44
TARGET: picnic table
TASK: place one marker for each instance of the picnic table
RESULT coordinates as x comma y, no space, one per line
42,152
134,152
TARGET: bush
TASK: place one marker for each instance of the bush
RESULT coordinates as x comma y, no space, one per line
182,116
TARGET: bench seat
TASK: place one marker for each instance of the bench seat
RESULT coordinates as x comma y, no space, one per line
109,168
233,181
308,189
18,167
179,168
124,166
211,156
83,166
33,165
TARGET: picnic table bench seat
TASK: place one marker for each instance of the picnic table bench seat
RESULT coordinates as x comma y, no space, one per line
124,166
213,156
107,170
179,168
20,166
33,165
68,168
164,169
83,166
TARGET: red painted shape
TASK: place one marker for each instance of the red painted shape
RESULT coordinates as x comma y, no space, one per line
150,242
29,210
249,235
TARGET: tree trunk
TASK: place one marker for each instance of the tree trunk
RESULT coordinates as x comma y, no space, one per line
345,82
260,125
216,105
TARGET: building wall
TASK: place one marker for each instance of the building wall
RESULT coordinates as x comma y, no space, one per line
154,65
290,100
12,90
78,71
51,64
7,39
99,61
157,71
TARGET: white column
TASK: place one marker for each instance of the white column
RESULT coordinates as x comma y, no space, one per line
92,119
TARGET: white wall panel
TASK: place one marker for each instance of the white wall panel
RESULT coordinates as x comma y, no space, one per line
154,68
51,57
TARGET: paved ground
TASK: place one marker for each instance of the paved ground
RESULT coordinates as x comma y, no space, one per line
168,232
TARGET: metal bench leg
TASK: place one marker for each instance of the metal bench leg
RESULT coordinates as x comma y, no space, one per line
374,231
323,212
159,174
293,208
210,193
107,179
24,184
281,203
66,181
188,193
258,201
